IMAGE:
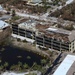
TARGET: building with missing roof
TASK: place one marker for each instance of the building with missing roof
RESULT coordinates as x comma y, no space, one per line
45,35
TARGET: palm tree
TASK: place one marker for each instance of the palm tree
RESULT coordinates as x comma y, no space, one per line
19,64
13,67
28,57
1,68
6,65
45,4
25,66
43,62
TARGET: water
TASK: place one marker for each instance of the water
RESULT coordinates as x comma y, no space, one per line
13,55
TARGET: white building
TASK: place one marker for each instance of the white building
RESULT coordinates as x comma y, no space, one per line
67,67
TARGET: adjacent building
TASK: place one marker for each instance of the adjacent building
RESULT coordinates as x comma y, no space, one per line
67,66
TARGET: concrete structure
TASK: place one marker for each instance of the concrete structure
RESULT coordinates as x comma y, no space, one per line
45,35
67,67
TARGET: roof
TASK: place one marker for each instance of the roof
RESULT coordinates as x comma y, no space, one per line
3,24
59,30
71,71
62,34
65,65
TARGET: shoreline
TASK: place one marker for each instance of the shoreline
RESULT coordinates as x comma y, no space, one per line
29,47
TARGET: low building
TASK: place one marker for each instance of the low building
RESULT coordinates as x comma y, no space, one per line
67,66
46,36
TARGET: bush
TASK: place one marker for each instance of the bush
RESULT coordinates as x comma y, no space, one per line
24,41
18,39
15,17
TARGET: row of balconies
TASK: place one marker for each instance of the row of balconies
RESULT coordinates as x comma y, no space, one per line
43,41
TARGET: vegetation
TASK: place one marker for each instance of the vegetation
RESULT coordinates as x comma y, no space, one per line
25,66
66,12
13,13
24,40
15,18
28,57
43,62
18,39
14,2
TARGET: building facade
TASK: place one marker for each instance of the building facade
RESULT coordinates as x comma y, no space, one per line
54,38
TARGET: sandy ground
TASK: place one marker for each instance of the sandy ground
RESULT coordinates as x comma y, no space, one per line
29,47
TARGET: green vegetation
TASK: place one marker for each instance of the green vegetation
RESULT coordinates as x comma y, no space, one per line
25,66
15,18
13,13
18,39
1,67
6,65
66,12
28,57
25,41
43,62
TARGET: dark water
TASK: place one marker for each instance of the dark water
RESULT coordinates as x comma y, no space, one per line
10,55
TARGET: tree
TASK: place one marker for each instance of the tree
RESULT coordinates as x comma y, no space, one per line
28,57
6,65
25,66
13,67
45,4
43,62
1,68
13,13
19,64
